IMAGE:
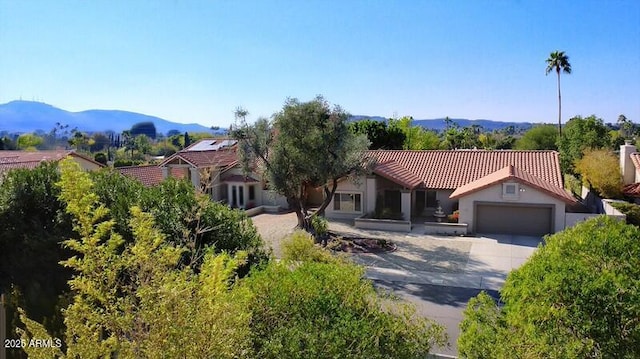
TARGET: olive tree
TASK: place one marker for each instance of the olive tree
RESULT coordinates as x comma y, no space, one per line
305,145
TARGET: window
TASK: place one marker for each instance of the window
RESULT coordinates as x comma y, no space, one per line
347,202
252,193
510,190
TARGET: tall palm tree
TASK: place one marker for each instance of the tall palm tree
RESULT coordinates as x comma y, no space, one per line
558,61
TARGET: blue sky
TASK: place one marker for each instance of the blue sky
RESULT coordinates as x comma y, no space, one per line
196,61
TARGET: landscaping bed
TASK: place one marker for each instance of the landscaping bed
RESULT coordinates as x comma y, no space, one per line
349,244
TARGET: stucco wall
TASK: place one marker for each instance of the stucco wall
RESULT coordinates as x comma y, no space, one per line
348,186
86,165
494,194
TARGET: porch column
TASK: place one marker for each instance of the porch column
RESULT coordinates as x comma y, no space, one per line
195,177
405,201
229,195
165,172
371,195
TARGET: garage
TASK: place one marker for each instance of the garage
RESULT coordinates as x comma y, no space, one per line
521,219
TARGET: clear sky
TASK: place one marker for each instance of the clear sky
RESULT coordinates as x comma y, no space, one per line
196,61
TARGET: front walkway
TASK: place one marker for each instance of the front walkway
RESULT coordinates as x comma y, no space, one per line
468,262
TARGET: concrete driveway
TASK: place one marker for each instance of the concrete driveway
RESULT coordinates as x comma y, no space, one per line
439,274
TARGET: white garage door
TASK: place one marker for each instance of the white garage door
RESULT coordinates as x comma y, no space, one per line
531,220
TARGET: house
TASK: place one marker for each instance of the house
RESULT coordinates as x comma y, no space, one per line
630,169
503,191
31,159
212,166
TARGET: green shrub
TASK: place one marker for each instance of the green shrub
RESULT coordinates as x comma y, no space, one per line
387,213
320,225
632,211
300,247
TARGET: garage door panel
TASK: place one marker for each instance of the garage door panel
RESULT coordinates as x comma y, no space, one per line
509,219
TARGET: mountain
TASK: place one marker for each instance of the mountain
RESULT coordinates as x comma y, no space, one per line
439,124
29,116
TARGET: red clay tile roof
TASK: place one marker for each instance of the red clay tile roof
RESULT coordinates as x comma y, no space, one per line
631,190
511,172
149,175
31,159
392,171
240,178
452,169
635,158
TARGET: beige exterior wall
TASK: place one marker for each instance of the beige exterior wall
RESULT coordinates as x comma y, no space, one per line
349,187
526,195
86,165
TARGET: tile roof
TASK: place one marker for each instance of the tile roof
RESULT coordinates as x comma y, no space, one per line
631,190
451,169
240,178
635,158
31,159
221,157
511,172
392,171
149,175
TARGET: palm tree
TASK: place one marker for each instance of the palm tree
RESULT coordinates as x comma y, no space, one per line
560,62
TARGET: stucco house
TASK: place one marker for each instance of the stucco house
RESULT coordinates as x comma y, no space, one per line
31,159
501,191
630,169
212,166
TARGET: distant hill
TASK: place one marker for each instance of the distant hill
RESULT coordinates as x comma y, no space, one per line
29,116
439,124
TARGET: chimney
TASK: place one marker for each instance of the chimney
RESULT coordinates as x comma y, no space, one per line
627,168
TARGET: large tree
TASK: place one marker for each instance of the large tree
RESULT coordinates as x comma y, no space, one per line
558,61
540,137
600,170
581,134
306,145
576,297
379,133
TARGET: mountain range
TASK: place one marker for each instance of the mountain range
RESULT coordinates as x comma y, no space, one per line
29,116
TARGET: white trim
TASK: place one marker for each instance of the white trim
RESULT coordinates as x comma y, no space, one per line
332,204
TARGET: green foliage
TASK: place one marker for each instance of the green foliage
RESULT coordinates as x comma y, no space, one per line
29,141
379,134
631,210
600,170
576,297
540,137
313,148
581,134
101,158
33,224
320,225
416,137
300,247
326,310
478,330
133,300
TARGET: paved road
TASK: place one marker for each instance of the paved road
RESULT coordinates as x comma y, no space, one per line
441,303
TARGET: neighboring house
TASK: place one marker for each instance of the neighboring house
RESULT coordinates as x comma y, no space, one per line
212,166
630,169
503,191
31,159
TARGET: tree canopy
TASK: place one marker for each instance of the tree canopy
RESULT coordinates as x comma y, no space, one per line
306,145
576,297
600,170
381,135
581,134
540,137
